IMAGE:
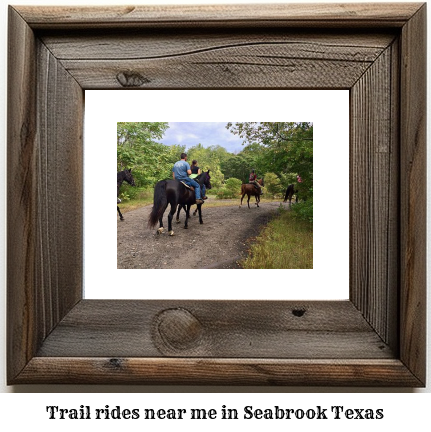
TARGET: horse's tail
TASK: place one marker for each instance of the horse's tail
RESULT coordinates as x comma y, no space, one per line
160,203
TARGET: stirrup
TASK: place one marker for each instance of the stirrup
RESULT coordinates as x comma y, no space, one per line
187,186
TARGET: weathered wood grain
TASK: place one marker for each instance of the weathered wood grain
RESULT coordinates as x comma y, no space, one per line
198,59
375,338
374,195
235,329
301,15
45,106
413,194
21,194
227,72
239,372
253,59
59,182
139,45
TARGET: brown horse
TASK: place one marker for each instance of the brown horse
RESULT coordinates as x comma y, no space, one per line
251,190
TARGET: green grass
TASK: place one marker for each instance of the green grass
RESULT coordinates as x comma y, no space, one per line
285,243
142,199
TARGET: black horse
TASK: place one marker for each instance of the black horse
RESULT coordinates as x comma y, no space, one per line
290,191
125,175
175,193
182,206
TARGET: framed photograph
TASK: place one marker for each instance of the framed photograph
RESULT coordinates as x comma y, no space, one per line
124,253
376,337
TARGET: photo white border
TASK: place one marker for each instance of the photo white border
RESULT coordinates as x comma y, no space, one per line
329,112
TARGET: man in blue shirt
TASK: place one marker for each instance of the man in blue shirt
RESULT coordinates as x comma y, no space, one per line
181,172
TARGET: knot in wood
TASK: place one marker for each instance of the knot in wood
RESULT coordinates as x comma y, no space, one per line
131,79
298,312
178,329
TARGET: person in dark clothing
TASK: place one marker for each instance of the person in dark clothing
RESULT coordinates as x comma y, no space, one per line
195,172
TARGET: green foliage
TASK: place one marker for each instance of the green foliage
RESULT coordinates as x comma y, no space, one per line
124,196
273,186
131,192
137,149
284,148
303,211
238,166
277,247
287,178
234,185
223,193
231,189
276,151
209,159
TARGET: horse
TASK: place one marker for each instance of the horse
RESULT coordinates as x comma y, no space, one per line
251,190
126,176
290,191
175,193
182,206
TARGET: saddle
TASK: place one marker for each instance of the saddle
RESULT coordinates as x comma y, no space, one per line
188,187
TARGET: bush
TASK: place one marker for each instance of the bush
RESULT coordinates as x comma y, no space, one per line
231,189
212,191
273,185
135,193
223,194
303,211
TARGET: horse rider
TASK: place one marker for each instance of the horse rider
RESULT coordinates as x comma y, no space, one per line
195,172
181,172
252,179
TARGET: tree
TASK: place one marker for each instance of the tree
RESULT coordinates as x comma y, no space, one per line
208,159
137,148
285,147
273,185
238,166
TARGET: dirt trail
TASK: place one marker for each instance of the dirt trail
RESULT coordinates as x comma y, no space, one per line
220,242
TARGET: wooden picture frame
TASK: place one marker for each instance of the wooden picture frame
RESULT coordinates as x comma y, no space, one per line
376,338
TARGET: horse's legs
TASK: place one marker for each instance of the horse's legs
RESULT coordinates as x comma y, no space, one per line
243,195
161,229
257,200
121,216
248,200
199,209
187,210
170,217
180,206
194,213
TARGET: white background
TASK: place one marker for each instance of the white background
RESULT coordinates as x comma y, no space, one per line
402,409
329,278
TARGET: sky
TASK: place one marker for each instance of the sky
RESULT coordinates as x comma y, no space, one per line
205,133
